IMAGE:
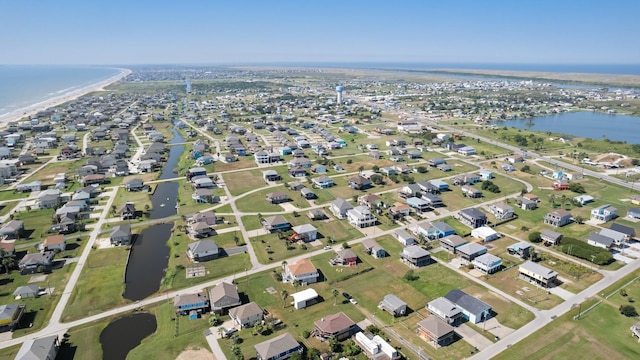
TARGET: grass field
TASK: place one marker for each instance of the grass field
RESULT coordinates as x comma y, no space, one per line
100,286
603,333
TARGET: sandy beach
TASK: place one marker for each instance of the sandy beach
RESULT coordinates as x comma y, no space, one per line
34,109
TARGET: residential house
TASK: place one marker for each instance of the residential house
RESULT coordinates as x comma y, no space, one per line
93,179
202,182
318,169
550,237
558,218
48,199
338,326
277,197
531,197
345,257
317,214
583,199
415,255
619,238
44,348
32,186
279,348
526,204
485,233
561,184
371,201
521,249
359,183
487,263
298,171
302,271
121,235
428,187
604,213
361,217
307,193
467,151
400,210
627,230
271,175
434,201
196,302
485,174
247,315
435,331
419,204
404,237
275,223
410,190
127,211
393,305
134,184
224,297
452,242
53,243
440,185
305,233
472,217
633,213
538,274
501,211
10,316
472,308
27,291
433,230
514,159
202,250
470,251
599,240
36,263
205,196
374,249
13,229
445,310
435,162
375,347
323,182
339,207
507,167
471,192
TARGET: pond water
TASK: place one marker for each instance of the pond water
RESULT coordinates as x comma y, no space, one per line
147,262
584,124
164,198
124,334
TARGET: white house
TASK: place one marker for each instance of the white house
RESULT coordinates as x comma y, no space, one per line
361,217
302,270
304,298
487,263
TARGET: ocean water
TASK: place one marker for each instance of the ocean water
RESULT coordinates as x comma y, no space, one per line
24,86
616,69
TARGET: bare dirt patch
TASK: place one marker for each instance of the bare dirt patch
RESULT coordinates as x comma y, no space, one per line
191,354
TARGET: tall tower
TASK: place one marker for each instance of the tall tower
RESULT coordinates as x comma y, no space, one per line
339,90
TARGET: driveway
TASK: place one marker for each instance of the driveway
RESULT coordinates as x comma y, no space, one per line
618,256
472,337
493,326
562,293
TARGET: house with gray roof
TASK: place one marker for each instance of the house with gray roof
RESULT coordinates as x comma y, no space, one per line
472,308
404,237
223,297
445,310
550,237
197,302
339,208
202,250
472,217
536,273
487,263
27,291
36,262
627,230
246,315
415,255
452,242
44,348
275,223
121,235
436,331
470,251
393,305
279,348
10,316
599,240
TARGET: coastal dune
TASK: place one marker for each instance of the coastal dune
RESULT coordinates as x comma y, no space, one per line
55,101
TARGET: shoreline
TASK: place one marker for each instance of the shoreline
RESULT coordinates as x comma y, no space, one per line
18,114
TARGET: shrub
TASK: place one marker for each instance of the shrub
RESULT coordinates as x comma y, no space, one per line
628,310
535,237
585,251
410,276
306,334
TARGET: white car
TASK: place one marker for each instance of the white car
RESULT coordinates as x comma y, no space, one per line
353,301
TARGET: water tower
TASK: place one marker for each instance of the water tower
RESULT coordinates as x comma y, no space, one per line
339,90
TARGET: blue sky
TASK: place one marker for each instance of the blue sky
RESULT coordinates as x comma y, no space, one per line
190,31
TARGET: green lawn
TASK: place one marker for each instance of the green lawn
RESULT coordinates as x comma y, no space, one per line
100,286
603,333
164,344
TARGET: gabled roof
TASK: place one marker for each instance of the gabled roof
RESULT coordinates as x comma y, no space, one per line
302,266
187,299
275,220
346,254
305,228
435,326
487,259
550,234
245,311
393,302
37,349
335,323
342,204
223,289
276,346
466,302
121,230
538,269
203,246
471,248
453,240
600,239
415,252
629,231
444,306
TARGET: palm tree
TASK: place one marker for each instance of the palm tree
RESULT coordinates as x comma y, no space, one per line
8,261
552,199
113,209
285,294
221,332
360,169
335,296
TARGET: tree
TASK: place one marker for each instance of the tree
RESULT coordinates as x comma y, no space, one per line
335,293
525,168
628,310
375,168
422,169
579,219
258,328
410,276
8,261
334,344
146,208
213,319
360,169
113,209
285,295
220,332
535,237
552,200
577,188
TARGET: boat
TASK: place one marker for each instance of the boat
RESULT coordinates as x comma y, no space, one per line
161,205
